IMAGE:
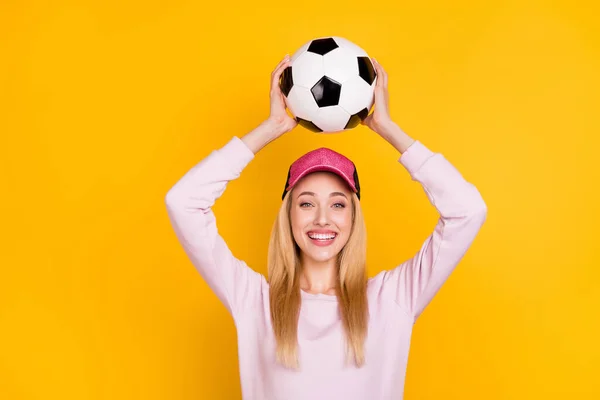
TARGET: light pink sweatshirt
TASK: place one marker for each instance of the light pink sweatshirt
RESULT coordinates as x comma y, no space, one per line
396,297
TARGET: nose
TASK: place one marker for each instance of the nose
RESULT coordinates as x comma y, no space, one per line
321,217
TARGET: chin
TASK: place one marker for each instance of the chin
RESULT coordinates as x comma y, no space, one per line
322,257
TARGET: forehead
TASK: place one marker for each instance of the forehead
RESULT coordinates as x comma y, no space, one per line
322,181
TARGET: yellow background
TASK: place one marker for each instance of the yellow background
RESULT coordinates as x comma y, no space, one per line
106,104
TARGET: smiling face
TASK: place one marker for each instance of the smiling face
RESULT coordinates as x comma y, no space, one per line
321,215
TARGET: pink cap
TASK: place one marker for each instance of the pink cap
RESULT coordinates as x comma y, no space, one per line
323,159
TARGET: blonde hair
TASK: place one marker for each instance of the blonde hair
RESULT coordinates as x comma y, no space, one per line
284,280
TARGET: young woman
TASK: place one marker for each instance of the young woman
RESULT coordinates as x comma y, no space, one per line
319,328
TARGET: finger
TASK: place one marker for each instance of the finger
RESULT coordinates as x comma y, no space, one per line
379,82
283,61
280,67
277,73
382,73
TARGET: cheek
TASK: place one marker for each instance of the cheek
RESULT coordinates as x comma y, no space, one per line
343,221
299,221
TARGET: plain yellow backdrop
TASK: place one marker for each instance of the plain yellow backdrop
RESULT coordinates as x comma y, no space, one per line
104,105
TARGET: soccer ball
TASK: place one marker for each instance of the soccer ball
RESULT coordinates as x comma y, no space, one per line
329,85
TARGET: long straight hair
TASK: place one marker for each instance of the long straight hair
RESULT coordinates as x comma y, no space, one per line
284,269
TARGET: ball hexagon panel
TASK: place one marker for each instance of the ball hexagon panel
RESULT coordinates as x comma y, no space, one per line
350,47
299,52
307,69
354,94
357,118
331,119
340,65
301,102
308,125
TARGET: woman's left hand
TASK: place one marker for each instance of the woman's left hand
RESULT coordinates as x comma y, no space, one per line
379,120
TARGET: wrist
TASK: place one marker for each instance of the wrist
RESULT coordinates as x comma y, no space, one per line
261,136
274,126
397,137
388,129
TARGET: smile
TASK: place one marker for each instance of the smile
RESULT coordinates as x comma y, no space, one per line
322,239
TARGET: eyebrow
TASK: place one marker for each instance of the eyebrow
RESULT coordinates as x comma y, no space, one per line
330,195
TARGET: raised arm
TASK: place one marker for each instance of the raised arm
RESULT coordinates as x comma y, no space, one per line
462,210
189,205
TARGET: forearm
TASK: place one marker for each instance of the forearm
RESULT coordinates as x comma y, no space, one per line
262,135
397,137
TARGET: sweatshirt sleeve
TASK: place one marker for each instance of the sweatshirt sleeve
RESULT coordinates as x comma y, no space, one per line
414,283
189,204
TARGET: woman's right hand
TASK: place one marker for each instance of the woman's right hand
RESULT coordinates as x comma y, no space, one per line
278,117
279,122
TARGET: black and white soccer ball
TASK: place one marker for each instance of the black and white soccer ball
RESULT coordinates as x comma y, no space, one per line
329,85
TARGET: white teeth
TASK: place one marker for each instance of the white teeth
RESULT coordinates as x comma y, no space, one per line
321,236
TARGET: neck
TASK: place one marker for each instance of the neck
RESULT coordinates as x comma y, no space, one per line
319,277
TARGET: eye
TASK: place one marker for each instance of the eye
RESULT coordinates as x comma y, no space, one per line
336,205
